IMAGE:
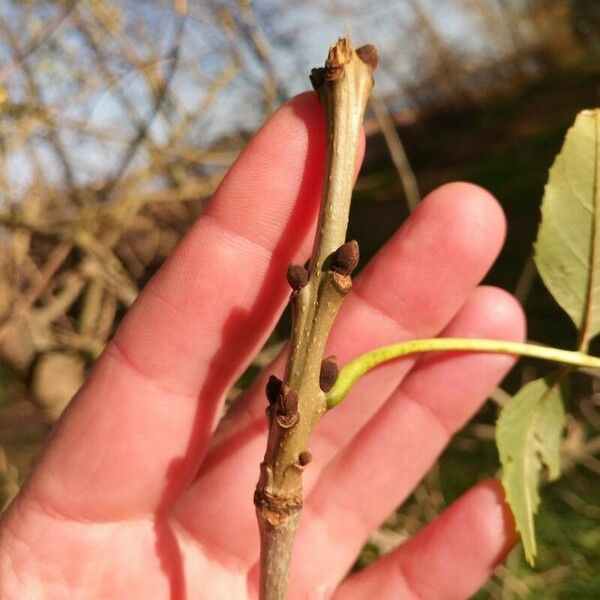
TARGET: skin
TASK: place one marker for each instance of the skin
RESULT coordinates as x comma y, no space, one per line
139,495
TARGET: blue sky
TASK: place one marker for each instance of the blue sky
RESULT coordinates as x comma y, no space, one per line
298,32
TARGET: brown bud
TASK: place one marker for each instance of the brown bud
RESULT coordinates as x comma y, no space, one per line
345,258
273,388
339,56
304,458
329,373
288,403
287,421
297,277
368,54
287,408
317,78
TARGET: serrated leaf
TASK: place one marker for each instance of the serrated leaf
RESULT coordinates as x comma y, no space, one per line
567,250
528,435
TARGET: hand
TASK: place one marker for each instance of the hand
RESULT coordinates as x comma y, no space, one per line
137,496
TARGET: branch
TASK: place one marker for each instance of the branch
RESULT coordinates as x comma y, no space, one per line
38,100
397,152
38,40
159,99
297,404
56,259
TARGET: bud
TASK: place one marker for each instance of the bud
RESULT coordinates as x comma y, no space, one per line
287,408
339,56
368,54
273,388
304,458
329,373
288,403
297,277
317,78
345,258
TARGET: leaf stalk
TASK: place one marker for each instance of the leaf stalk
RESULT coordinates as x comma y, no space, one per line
356,368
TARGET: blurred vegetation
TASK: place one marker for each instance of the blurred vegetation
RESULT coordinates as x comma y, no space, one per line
118,119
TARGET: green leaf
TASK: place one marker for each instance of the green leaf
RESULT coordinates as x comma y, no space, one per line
567,250
528,435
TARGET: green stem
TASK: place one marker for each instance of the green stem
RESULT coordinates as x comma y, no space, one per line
356,368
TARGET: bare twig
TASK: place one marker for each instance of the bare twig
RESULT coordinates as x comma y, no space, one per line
37,96
56,259
397,152
60,303
259,45
526,280
297,404
160,96
38,40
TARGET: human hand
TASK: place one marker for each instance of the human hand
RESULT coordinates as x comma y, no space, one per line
137,496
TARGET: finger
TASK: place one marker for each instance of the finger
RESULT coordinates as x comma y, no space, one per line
449,559
411,289
139,425
392,452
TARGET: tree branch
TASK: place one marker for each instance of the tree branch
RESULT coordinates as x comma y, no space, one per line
397,152
297,404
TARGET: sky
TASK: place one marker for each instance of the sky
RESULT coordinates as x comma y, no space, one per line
298,34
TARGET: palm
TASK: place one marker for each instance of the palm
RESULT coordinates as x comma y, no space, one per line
137,496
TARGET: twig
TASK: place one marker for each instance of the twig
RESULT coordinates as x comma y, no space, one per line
526,280
249,30
38,40
397,152
499,396
60,303
37,96
56,259
91,307
298,403
159,99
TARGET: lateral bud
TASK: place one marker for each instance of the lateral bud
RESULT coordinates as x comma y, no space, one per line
304,458
297,277
317,78
273,389
345,258
329,373
288,402
287,408
368,54
339,56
